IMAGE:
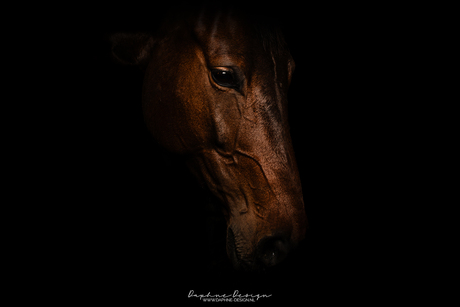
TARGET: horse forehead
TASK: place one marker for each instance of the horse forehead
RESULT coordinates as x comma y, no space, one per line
223,34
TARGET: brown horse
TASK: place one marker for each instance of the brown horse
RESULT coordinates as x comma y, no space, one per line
215,91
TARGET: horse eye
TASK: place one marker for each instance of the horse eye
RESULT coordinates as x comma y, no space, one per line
224,78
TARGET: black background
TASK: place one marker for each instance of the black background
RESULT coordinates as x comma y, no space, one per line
137,220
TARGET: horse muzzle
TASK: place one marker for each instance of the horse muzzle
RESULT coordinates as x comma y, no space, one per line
265,214
267,252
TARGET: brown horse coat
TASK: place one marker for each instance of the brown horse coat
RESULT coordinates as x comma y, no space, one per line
215,91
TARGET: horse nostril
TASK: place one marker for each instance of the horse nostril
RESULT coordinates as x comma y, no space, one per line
272,250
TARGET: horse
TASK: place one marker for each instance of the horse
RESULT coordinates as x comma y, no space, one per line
215,92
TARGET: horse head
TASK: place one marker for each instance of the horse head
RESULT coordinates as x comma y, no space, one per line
215,91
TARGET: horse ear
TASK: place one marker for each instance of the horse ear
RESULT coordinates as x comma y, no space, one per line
133,49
